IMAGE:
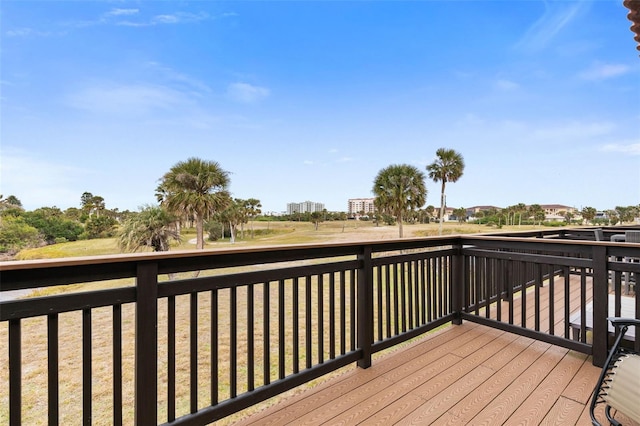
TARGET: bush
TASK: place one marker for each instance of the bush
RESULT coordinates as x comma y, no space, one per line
16,234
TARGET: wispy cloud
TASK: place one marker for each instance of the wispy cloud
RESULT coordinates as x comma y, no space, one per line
166,19
506,85
174,77
247,93
604,71
130,100
557,16
630,148
122,12
27,32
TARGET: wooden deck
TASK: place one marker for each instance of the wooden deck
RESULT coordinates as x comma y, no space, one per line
460,375
467,374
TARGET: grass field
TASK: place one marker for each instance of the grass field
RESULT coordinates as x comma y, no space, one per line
70,324
273,233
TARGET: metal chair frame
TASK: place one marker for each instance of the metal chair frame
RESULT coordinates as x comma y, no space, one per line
607,375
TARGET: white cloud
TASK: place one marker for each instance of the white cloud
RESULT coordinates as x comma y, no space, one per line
630,148
344,160
308,162
556,17
126,99
27,32
122,12
247,93
506,85
604,71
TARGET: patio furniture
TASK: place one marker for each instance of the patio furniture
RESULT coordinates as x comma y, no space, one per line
618,387
632,236
618,238
598,234
627,309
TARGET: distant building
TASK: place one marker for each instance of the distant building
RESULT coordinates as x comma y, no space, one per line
358,205
556,211
304,207
471,211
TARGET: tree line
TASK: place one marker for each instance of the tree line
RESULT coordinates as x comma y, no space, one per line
194,193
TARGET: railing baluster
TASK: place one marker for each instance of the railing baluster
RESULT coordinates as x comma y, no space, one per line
396,300
171,358
86,367
251,338
15,373
296,325
552,295
567,302
343,314
352,308
281,330
233,345
193,352
214,347
387,292
117,364
537,304
320,302
403,296
52,370
266,333
523,292
422,285
380,309
332,316
308,329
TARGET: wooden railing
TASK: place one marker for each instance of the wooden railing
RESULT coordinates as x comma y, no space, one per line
192,337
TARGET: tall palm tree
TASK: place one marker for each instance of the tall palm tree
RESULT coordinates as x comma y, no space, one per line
152,227
399,189
448,167
195,188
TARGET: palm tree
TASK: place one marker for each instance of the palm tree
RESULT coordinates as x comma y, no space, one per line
448,167
195,188
152,227
399,189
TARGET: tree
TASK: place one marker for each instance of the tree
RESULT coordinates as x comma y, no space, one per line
460,214
195,188
234,215
10,202
16,234
448,167
253,207
588,214
399,189
316,218
152,227
52,224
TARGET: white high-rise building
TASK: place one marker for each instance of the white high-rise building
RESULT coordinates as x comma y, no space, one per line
357,205
305,207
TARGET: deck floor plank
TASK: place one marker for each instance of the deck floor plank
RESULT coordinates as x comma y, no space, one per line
459,375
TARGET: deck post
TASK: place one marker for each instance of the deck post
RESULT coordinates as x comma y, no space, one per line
146,365
600,305
457,283
365,307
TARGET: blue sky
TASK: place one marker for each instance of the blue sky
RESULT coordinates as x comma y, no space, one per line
309,100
